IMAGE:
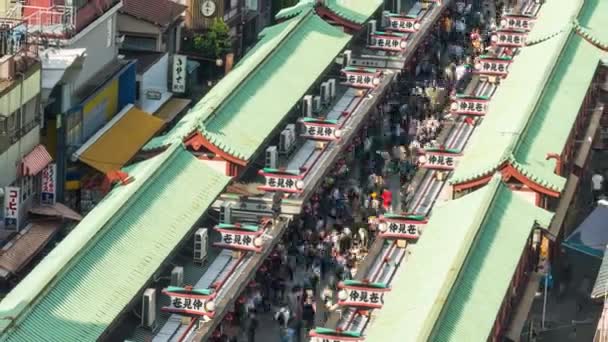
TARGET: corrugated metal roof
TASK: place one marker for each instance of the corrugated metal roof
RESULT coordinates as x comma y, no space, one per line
356,11
600,288
159,12
475,300
86,281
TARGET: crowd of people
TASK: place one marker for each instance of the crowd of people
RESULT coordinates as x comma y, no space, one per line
297,286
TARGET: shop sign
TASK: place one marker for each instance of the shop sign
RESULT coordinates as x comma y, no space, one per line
403,24
286,181
330,335
197,302
490,66
154,95
388,42
510,38
240,237
440,159
361,78
361,294
47,188
401,227
12,199
515,22
469,106
179,73
316,129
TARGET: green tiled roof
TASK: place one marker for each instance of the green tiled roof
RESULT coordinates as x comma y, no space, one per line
475,299
423,283
271,37
556,113
512,104
82,286
356,11
461,229
290,12
243,122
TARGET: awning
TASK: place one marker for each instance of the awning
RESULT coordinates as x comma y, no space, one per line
119,140
171,109
21,249
35,161
591,236
56,210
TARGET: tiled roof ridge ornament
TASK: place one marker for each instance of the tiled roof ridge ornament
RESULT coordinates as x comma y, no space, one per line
587,35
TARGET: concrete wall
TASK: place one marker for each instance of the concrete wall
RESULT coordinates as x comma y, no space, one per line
100,42
155,78
11,158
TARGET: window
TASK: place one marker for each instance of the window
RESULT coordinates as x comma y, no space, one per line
227,5
139,43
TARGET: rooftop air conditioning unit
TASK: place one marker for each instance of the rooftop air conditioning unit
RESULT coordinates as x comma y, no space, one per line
148,309
385,20
225,216
287,139
177,276
307,106
325,93
371,28
272,157
201,241
332,88
347,56
316,104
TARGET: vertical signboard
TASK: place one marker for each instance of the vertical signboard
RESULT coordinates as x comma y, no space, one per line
47,186
179,73
12,200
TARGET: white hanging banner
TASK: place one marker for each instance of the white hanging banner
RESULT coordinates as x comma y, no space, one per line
436,160
492,66
179,73
326,130
387,42
361,77
400,228
517,22
403,24
276,180
469,106
48,183
12,202
510,38
239,237
190,302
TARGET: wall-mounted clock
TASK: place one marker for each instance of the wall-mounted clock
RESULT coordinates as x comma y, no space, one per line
208,8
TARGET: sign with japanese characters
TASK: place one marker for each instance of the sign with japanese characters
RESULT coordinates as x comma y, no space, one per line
179,73
12,200
403,24
360,294
517,22
197,302
320,129
47,187
286,181
510,38
440,159
240,237
361,77
401,227
387,41
469,105
330,335
493,66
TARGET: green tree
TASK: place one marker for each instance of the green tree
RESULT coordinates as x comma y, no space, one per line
214,43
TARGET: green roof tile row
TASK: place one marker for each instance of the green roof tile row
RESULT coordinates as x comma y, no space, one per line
290,12
512,105
356,11
82,286
475,299
551,123
243,123
423,290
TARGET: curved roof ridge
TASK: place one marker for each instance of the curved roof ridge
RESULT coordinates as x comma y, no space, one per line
589,36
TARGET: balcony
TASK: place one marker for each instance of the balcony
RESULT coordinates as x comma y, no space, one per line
57,21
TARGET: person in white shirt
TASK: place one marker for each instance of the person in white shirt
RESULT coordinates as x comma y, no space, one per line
597,182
